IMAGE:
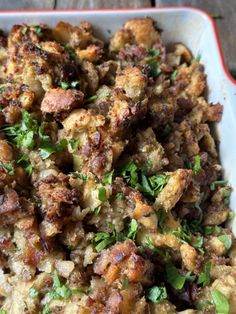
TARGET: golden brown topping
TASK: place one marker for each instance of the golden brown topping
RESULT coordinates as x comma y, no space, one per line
57,101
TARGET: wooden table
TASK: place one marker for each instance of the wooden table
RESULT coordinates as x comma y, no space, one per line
224,10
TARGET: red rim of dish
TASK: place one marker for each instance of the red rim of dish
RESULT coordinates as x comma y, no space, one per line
207,15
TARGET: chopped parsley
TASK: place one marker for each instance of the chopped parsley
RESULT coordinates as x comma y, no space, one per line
120,196
161,217
74,144
125,283
197,164
25,163
70,50
217,183
173,75
102,195
37,29
29,134
154,69
197,58
9,167
104,239
226,240
66,85
47,149
150,186
61,291
149,244
46,310
91,98
209,230
173,277
33,292
156,294
132,229
183,234
97,210
198,244
108,178
226,194
202,304
25,30
153,52
205,277
231,215
220,301
22,134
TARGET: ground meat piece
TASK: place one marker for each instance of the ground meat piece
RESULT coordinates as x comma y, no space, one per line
58,100
57,196
6,151
123,260
13,207
125,112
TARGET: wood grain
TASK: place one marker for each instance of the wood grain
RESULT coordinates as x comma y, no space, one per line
92,4
27,4
226,25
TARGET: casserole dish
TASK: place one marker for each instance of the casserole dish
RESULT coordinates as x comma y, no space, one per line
220,89
192,27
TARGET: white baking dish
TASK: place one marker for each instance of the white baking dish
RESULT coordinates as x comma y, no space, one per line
190,26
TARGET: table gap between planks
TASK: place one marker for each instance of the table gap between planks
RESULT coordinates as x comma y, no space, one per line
224,11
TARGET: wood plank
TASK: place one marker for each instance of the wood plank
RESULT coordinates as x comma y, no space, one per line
226,26
26,4
93,4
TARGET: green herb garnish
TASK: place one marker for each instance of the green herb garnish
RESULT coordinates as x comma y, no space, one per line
174,278
9,167
91,98
125,283
226,240
173,75
214,184
220,301
102,195
154,52
104,239
74,144
205,277
154,69
37,29
33,292
25,30
156,294
108,178
150,186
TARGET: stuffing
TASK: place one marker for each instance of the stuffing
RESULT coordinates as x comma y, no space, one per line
143,31
172,192
57,101
112,196
133,82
